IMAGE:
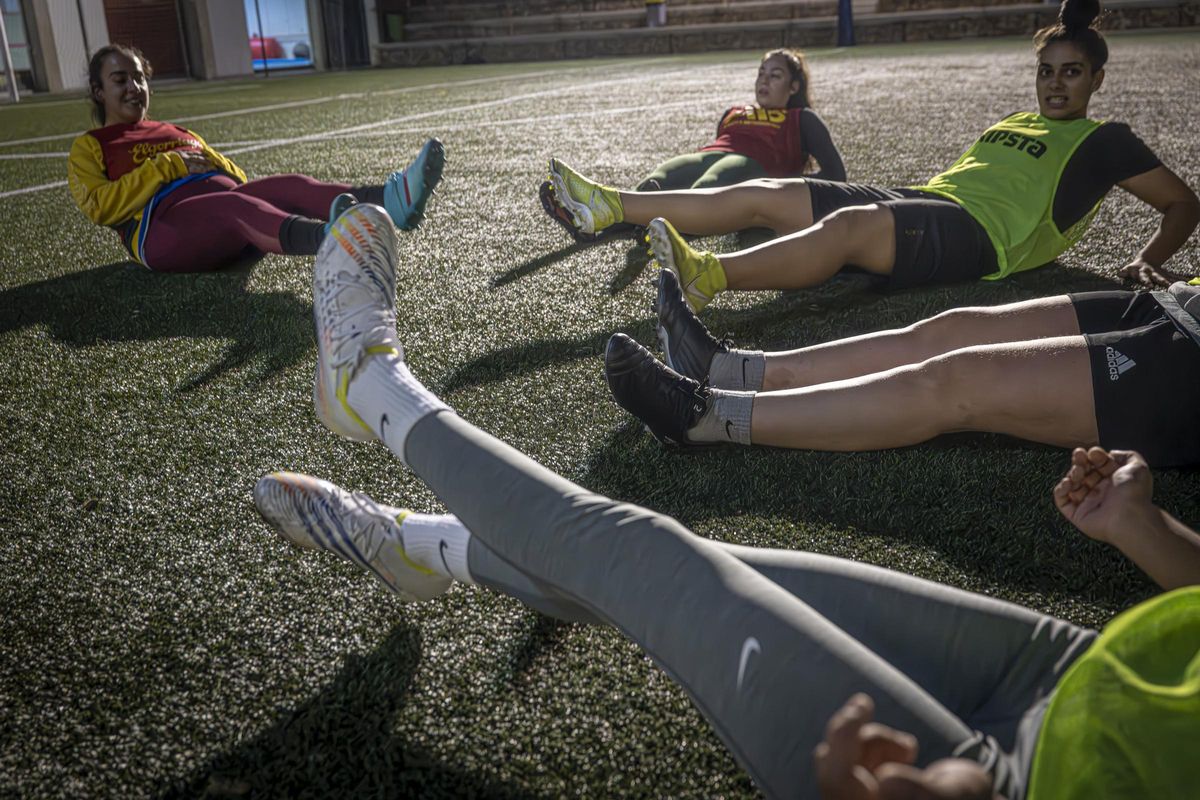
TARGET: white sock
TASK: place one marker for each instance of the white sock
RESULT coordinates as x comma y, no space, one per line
437,542
389,398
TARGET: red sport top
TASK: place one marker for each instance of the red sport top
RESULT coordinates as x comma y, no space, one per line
770,136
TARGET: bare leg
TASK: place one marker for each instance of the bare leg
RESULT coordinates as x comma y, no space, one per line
1037,390
860,235
957,328
781,205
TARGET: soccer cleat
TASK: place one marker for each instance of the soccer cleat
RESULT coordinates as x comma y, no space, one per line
560,215
669,404
318,515
338,207
354,309
407,191
700,273
686,344
592,207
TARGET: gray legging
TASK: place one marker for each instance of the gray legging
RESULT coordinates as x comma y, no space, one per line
768,644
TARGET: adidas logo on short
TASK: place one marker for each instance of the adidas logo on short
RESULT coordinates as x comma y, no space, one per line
1118,363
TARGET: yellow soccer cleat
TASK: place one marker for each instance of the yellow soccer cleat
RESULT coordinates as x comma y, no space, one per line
592,207
700,274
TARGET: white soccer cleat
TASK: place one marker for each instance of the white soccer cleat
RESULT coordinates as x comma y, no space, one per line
318,515
354,308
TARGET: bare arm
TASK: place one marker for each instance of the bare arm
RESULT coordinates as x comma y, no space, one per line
1108,497
1180,210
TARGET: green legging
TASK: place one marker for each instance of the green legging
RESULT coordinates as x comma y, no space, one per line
703,170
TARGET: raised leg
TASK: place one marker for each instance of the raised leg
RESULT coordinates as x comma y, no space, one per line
781,205
860,235
295,194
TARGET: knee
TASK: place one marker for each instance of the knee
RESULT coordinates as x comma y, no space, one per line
960,384
953,325
781,204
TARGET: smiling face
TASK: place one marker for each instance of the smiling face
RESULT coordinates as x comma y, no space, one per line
1065,81
124,89
774,85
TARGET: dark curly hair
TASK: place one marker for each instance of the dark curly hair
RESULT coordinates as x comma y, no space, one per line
94,79
798,66
1077,22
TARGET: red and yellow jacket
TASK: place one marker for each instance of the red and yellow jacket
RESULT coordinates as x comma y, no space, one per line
116,173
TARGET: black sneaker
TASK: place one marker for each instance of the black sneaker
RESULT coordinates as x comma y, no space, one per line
686,344
668,403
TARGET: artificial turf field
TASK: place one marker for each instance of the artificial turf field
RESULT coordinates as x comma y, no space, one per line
158,639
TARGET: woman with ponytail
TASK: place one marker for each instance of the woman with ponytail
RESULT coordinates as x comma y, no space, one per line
1022,194
778,136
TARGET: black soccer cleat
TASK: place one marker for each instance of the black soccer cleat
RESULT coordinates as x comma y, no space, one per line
669,404
686,344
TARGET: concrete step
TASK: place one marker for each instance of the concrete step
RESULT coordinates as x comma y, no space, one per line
690,14
1020,19
467,10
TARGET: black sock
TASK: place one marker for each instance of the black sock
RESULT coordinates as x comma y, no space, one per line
301,236
368,194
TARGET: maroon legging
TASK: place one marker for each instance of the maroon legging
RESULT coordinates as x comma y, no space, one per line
206,224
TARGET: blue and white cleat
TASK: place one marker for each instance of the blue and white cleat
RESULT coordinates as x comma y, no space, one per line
339,206
354,309
318,515
407,191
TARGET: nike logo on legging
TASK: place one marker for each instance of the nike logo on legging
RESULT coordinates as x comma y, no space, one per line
749,646
442,553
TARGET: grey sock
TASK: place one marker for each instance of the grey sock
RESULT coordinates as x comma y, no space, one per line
727,418
738,369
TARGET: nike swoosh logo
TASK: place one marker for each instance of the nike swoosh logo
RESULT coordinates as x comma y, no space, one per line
749,646
442,552
728,432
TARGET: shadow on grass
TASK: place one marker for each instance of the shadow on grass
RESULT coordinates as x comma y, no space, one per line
981,501
340,742
125,302
541,262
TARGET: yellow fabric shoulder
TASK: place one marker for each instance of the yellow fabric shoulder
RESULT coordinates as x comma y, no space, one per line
107,202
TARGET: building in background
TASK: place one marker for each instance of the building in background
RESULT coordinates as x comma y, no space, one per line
51,40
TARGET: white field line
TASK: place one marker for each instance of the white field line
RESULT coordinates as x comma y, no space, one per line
443,111
395,121
332,98
500,123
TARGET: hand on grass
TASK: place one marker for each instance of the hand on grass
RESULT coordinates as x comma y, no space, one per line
864,760
1145,274
1105,493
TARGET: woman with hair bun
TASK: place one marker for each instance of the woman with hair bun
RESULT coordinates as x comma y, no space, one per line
1022,194
779,136
180,206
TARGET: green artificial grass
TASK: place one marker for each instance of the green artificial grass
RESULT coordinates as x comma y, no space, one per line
158,639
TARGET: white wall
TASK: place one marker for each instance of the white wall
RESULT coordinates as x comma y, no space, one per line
60,40
225,39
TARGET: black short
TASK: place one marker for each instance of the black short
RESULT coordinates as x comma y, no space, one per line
936,240
1145,376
